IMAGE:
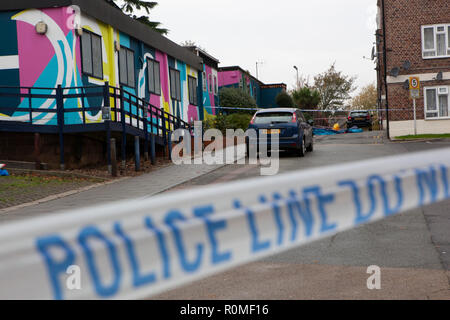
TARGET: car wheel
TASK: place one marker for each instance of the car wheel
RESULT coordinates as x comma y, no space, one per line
370,128
302,149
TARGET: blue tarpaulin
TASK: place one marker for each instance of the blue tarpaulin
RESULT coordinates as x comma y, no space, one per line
4,173
328,132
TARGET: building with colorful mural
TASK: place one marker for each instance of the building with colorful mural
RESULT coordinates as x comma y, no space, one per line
210,80
48,43
264,94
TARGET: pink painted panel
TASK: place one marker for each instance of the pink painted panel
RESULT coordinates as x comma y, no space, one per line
227,78
32,62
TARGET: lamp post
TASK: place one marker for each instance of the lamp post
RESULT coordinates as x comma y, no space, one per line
295,67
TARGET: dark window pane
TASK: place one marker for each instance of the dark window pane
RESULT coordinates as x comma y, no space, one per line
130,67
178,81
123,66
157,78
97,56
151,75
86,52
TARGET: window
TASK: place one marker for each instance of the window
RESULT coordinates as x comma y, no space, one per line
91,53
192,86
204,82
175,84
437,102
154,77
216,86
126,67
436,41
210,80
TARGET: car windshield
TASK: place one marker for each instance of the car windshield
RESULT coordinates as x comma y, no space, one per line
359,114
273,117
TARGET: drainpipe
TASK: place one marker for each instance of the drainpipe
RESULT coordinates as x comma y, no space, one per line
385,69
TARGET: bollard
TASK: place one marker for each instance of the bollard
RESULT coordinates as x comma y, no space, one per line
113,158
137,154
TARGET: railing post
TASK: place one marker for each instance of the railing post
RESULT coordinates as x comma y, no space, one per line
30,105
60,120
106,103
163,114
124,129
145,111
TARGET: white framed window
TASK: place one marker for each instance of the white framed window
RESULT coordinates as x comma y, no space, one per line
437,102
210,80
204,81
216,85
436,41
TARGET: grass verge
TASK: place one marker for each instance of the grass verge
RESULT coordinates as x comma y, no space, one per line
424,136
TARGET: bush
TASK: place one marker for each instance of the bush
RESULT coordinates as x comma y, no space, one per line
284,100
238,121
236,98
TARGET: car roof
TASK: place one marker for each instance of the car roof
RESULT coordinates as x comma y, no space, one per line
292,110
355,111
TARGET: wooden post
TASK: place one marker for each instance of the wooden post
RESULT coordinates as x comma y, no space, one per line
37,150
113,157
137,154
152,149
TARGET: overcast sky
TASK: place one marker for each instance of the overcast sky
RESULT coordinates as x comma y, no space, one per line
281,33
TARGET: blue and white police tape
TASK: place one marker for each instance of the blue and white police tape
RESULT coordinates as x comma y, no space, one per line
136,249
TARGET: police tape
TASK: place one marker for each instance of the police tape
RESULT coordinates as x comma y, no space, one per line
139,248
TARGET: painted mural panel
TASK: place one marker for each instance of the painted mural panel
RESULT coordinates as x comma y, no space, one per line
45,61
28,59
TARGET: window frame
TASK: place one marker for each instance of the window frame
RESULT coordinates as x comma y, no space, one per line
193,99
446,34
127,84
204,82
154,62
177,92
436,88
92,74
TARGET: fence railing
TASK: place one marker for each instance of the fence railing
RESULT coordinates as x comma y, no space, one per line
70,106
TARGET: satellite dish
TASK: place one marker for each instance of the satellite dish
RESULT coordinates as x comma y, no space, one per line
395,72
407,65
406,85
374,53
439,76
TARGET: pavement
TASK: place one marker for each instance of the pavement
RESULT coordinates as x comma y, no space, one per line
412,249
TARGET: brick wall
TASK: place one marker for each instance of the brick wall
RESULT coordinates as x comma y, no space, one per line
404,20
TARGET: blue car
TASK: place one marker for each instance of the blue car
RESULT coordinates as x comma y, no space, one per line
295,133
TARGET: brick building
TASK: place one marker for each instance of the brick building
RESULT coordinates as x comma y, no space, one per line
417,43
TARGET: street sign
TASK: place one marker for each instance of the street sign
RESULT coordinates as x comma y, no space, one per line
414,93
414,87
414,83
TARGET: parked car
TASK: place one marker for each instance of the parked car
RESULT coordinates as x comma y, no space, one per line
360,119
295,133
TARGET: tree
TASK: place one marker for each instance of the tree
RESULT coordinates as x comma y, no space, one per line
130,6
236,98
334,88
306,98
284,100
367,98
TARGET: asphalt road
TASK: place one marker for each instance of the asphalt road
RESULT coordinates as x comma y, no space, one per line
412,249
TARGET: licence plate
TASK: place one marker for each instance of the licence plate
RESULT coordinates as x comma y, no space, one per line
360,119
271,131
